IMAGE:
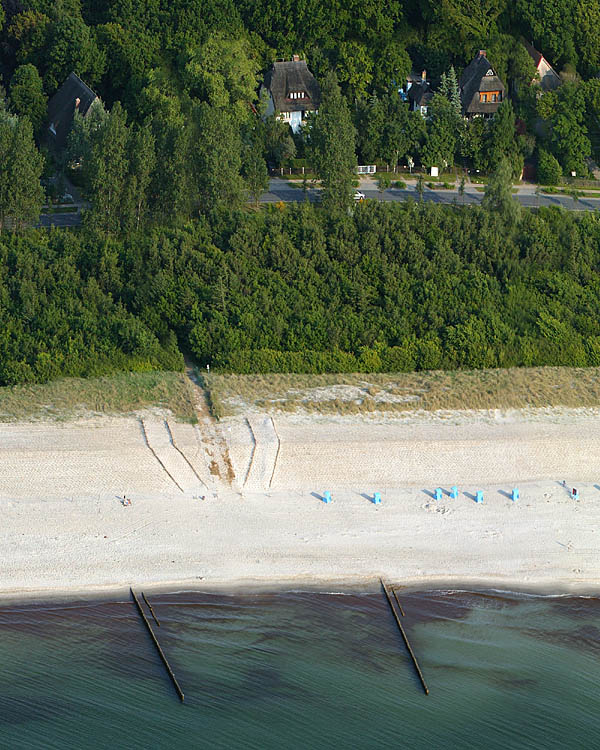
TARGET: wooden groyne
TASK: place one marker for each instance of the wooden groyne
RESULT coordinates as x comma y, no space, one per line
398,602
405,637
158,646
152,611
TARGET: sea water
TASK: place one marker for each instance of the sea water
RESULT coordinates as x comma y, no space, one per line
303,670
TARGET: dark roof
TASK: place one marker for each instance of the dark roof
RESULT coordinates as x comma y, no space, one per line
474,79
62,106
292,76
420,93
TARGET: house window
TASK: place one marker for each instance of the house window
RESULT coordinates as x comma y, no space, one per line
483,97
494,97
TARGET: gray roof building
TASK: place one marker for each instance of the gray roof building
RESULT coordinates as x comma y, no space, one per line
73,94
481,91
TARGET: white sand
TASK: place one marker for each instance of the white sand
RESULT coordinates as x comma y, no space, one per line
64,527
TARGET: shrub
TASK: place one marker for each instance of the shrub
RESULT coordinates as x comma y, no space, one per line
549,170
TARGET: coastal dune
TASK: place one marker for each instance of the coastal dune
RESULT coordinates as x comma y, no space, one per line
65,527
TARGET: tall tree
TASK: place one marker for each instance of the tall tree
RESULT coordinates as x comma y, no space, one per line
449,89
332,139
108,167
403,131
255,172
279,143
501,139
79,140
171,189
142,161
565,110
498,194
27,95
472,142
217,159
21,194
442,133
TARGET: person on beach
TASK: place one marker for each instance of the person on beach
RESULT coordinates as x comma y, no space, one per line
126,500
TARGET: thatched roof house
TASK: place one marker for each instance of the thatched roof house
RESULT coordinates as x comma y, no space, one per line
293,91
481,91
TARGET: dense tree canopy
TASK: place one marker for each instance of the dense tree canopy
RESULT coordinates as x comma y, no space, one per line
169,260
161,60
393,287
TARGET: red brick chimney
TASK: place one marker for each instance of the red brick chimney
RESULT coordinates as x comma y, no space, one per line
77,103
423,75
295,58
481,53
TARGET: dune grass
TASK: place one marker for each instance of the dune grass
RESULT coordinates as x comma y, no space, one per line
116,394
514,388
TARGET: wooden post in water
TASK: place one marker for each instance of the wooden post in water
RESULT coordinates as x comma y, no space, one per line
405,637
158,648
156,618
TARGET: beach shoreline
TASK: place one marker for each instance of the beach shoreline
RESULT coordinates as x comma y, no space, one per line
351,587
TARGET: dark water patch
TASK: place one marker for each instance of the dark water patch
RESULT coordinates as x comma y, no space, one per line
21,710
430,606
517,682
584,638
575,607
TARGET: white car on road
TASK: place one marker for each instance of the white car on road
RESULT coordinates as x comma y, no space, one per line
358,196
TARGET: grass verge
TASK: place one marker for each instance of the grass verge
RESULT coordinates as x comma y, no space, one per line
515,388
123,393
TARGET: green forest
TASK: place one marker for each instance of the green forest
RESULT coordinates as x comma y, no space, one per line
185,70
174,255
395,287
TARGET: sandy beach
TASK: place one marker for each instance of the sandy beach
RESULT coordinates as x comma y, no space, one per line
240,502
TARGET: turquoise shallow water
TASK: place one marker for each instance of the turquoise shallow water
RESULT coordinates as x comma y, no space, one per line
296,670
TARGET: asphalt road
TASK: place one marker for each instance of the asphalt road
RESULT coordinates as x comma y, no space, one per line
60,220
280,190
